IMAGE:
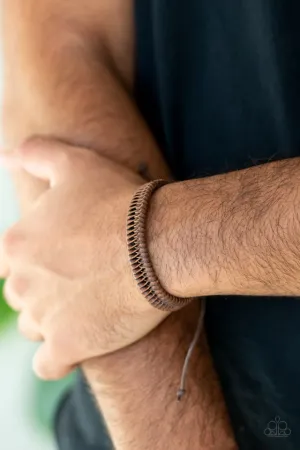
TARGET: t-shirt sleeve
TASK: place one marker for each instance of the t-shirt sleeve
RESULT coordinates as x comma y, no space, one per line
78,422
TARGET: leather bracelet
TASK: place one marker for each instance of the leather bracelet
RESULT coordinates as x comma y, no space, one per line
142,268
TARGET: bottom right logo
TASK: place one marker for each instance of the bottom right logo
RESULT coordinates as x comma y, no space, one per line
277,428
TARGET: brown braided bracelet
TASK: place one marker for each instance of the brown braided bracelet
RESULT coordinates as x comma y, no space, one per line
144,273
142,268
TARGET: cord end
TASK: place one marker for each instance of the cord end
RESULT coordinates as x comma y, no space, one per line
180,394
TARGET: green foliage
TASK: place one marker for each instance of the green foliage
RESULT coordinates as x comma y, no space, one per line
5,312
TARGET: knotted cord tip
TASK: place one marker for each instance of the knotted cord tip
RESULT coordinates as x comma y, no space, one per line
180,394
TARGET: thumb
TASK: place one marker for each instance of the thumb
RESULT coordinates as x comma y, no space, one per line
46,159
46,367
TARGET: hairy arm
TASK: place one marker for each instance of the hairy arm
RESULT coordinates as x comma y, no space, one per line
143,412
68,75
232,234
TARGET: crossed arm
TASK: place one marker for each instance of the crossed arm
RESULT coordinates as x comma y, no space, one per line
237,233
66,77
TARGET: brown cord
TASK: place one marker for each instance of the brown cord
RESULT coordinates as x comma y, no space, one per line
181,391
142,268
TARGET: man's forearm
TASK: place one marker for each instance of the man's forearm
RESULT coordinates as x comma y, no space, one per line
138,399
237,233
70,93
69,80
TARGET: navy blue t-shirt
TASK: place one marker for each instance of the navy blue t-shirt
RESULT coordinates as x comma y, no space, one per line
219,84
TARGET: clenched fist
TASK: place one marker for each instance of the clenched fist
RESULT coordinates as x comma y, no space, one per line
69,273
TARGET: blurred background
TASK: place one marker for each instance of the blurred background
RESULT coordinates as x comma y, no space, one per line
27,404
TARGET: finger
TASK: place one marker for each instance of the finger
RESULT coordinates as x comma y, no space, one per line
47,367
10,160
12,297
46,159
29,328
17,290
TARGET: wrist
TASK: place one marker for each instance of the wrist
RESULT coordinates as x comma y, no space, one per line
136,361
179,228
166,248
136,390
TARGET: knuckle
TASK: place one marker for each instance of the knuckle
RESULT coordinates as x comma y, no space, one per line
37,141
32,144
14,292
19,285
11,241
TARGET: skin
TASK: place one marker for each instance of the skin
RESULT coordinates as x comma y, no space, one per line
87,206
87,103
232,234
